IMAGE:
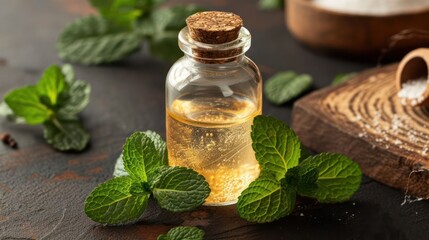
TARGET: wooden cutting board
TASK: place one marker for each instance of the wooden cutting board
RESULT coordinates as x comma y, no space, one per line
365,120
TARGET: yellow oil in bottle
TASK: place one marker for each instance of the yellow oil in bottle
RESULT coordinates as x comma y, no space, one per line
212,136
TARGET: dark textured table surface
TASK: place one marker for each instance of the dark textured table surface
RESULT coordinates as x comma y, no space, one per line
42,191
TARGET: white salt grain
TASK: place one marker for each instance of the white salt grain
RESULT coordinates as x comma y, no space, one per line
373,7
413,90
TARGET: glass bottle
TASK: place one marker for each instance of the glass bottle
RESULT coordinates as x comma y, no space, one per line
212,95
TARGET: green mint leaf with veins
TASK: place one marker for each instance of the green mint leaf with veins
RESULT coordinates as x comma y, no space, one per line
163,26
342,78
53,102
305,153
119,169
285,86
68,72
266,200
303,178
66,135
144,162
160,146
93,40
167,20
112,203
121,13
174,18
338,179
276,146
75,99
140,189
183,233
179,189
25,102
51,85
141,158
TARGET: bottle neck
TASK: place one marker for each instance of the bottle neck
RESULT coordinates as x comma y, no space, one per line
229,60
215,53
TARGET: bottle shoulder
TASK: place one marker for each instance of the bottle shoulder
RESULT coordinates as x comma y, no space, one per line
186,71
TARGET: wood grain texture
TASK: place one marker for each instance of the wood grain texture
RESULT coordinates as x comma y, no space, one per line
365,120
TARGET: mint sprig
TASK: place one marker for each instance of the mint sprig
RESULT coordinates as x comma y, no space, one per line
266,200
54,102
182,233
113,203
93,40
119,30
143,173
338,179
286,86
160,146
179,189
276,146
327,177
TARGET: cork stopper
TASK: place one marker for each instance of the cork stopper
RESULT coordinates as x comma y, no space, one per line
214,27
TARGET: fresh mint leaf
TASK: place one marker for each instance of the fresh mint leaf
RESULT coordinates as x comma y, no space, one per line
139,189
303,178
51,85
54,102
305,153
66,135
183,233
179,189
25,103
162,28
93,40
68,72
141,158
148,6
338,179
121,13
271,4
276,146
160,146
285,86
167,20
164,46
342,78
112,203
75,99
174,18
119,169
266,200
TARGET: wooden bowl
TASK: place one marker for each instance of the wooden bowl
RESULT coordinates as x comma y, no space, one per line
361,36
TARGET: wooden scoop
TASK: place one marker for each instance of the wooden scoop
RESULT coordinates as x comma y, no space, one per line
414,65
